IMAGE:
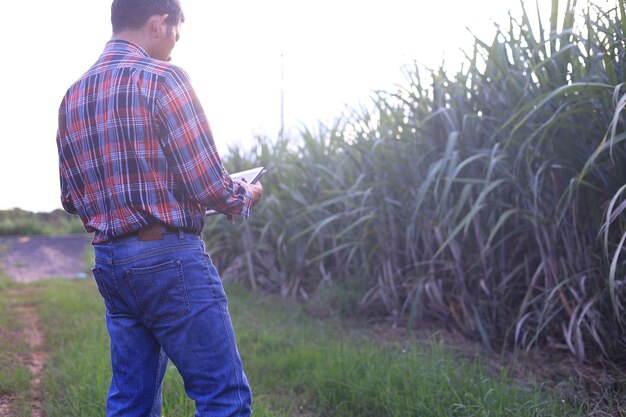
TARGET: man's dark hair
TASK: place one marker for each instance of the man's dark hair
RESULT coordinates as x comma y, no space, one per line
133,14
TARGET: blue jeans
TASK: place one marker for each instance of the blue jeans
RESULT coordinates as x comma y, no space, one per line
164,299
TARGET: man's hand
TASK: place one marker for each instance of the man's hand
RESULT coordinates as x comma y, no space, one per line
255,190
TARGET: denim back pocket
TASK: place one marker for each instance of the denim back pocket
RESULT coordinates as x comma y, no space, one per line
160,291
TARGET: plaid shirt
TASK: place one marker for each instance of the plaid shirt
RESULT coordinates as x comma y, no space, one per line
135,148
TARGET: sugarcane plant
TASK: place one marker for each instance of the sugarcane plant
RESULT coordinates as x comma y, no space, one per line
490,198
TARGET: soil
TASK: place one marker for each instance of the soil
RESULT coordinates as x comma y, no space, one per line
25,259
5,404
34,359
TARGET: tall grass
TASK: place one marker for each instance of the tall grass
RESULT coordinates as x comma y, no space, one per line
489,199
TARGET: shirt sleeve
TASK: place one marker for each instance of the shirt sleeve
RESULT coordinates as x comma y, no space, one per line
66,199
188,145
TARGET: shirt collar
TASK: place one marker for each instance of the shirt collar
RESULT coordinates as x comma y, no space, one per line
120,45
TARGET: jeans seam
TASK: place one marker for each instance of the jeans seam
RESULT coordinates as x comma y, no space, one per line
157,385
234,359
231,340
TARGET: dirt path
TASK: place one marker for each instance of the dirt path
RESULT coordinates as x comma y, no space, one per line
33,336
25,259
5,406
21,303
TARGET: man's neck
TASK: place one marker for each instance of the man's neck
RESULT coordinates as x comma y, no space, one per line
138,37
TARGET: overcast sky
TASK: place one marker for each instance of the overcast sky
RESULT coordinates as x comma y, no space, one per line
334,54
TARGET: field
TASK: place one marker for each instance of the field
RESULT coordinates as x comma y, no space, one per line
297,365
488,198
485,205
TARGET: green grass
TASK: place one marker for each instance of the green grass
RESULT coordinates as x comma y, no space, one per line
297,366
14,375
13,378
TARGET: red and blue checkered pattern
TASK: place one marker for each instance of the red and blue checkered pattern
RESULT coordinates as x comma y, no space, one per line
135,148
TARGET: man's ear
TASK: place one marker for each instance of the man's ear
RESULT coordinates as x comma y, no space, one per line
157,25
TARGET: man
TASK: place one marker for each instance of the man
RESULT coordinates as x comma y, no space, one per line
139,166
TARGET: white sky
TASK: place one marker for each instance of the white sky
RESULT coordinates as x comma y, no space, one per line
336,52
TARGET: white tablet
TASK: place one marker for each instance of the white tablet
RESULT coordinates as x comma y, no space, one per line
250,176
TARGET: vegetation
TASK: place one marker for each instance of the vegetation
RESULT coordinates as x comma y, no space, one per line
296,366
14,374
22,222
490,200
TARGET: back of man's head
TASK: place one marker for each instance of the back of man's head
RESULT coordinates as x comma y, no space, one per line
133,14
